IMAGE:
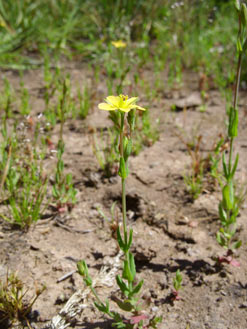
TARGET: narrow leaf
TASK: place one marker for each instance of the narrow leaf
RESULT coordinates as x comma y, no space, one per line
137,288
235,166
130,238
237,244
132,265
120,240
224,166
123,287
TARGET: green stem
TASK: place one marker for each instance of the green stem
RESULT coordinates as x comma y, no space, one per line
235,105
236,90
237,80
124,211
228,228
96,295
230,156
123,180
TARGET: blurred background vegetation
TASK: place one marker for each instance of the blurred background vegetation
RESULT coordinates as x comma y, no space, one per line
195,34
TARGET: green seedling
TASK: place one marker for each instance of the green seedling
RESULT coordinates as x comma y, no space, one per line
66,105
177,284
25,200
5,162
14,307
112,221
84,102
22,180
52,84
25,97
106,152
194,184
229,205
120,107
146,134
202,165
52,80
214,159
7,99
175,71
194,180
51,117
63,190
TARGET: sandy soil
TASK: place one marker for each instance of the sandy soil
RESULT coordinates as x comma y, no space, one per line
171,231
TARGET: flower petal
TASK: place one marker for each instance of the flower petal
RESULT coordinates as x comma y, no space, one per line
124,109
114,100
131,100
140,108
119,44
106,107
137,107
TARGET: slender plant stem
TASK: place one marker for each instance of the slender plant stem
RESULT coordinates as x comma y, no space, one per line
124,211
236,90
235,105
235,102
95,295
62,109
230,155
6,169
123,180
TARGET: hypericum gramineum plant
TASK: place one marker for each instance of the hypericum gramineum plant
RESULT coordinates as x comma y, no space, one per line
120,107
63,190
177,284
229,206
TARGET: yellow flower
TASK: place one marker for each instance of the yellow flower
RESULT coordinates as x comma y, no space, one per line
121,102
119,44
2,23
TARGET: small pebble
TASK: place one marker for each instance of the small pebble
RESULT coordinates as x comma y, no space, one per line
155,309
243,305
61,299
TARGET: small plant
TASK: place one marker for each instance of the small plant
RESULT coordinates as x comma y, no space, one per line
6,100
129,287
112,221
27,190
13,306
202,165
146,133
194,180
22,180
194,184
25,97
229,206
84,102
105,151
175,71
63,190
5,160
177,284
214,159
51,80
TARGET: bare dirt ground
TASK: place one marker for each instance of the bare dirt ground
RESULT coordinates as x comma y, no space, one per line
170,230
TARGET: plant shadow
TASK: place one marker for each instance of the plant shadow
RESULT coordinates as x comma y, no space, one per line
106,324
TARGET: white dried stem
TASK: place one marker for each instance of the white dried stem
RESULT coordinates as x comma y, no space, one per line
78,301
